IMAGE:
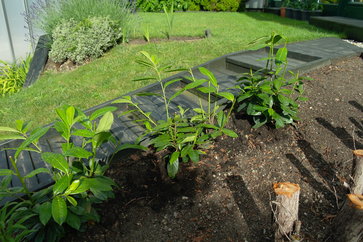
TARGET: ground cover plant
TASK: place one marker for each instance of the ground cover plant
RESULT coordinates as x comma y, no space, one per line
112,75
182,136
268,95
12,76
79,180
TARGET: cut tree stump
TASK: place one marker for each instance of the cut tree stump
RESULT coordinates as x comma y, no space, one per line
286,212
348,224
357,187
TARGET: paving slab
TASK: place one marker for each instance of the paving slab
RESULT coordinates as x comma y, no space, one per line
353,28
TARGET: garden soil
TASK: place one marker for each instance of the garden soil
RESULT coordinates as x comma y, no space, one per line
227,195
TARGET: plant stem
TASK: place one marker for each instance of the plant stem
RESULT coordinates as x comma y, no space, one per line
21,178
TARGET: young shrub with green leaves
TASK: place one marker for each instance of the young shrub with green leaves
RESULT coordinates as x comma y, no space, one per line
80,41
183,137
269,96
12,76
79,179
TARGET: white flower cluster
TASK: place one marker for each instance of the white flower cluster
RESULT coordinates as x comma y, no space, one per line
88,39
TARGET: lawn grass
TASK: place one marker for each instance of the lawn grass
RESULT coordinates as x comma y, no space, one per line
111,75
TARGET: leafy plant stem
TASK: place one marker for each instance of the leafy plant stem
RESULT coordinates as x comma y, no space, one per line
13,163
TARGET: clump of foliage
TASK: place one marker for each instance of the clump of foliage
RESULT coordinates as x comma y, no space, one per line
169,15
79,178
48,14
183,134
79,41
269,95
191,5
12,76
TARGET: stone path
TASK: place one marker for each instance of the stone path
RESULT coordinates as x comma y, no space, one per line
353,28
303,57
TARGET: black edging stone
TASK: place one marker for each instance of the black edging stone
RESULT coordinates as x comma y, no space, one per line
39,60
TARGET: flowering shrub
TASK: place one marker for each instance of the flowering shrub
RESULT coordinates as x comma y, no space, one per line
79,41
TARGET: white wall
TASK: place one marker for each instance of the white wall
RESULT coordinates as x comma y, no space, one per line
14,36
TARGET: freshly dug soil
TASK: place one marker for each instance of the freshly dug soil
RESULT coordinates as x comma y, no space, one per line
227,196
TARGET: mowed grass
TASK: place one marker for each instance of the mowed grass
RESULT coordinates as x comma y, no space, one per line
112,75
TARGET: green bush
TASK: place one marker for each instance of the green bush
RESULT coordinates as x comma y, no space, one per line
48,14
191,5
221,5
79,41
12,76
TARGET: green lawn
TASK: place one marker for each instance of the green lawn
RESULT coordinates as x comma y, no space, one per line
111,76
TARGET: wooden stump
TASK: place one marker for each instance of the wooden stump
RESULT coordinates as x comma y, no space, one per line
348,224
287,209
357,187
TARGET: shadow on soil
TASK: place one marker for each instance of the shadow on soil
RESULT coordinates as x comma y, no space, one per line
309,178
247,206
317,161
342,134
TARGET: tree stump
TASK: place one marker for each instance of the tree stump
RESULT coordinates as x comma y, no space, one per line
348,224
286,212
357,187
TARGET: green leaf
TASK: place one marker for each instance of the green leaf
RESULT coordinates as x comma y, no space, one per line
36,172
45,212
230,133
6,172
72,201
83,133
171,82
75,184
198,110
73,220
227,95
99,184
281,56
78,152
210,75
173,168
10,136
174,157
62,184
188,139
8,129
70,112
194,155
34,137
105,123
221,119
207,89
130,146
102,111
56,160
194,84
82,187
59,210
124,99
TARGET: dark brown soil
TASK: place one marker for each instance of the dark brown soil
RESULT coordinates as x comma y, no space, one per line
226,196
